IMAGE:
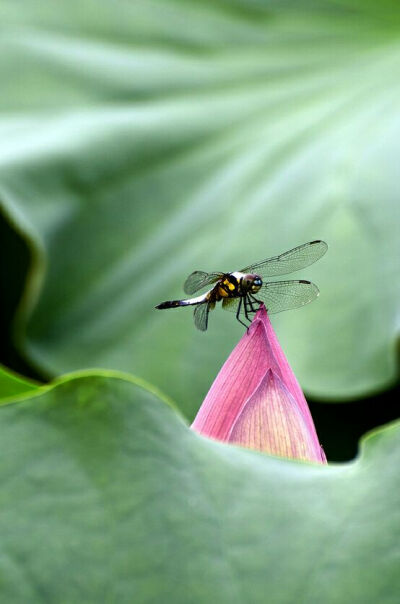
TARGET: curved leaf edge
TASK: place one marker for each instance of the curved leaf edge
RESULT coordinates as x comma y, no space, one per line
366,443
34,278
93,373
17,382
358,394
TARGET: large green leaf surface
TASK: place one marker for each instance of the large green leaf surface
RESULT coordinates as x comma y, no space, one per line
108,496
145,140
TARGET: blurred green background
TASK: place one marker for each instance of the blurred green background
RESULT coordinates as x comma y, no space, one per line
141,141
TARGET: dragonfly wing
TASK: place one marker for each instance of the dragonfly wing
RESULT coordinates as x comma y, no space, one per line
200,316
289,262
198,280
285,295
231,304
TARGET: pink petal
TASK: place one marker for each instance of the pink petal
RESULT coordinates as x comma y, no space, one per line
272,422
287,375
239,377
257,354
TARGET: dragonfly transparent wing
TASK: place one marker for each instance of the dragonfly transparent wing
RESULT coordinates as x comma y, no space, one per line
198,280
200,316
231,304
285,295
289,262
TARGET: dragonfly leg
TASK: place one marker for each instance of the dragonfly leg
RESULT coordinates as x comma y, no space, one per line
254,299
246,310
251,300
238,313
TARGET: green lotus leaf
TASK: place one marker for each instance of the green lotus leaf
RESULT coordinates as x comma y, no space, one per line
142,142
12,384
115,499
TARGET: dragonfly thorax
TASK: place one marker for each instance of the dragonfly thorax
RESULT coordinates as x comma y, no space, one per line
250,282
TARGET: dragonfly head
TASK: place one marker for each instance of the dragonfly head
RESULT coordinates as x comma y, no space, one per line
252,283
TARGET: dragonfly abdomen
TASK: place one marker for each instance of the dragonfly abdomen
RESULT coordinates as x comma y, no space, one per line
171,304
188,302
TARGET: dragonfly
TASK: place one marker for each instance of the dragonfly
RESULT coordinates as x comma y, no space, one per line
244,291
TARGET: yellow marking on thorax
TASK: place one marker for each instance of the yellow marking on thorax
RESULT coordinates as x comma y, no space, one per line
230,286
223,293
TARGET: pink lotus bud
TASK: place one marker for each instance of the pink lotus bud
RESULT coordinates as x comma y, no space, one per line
256,401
